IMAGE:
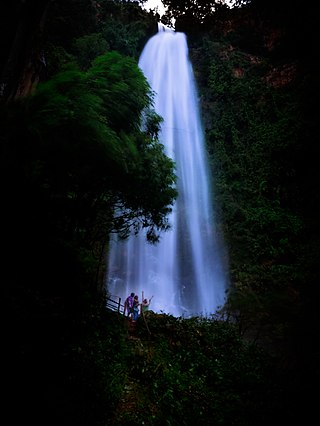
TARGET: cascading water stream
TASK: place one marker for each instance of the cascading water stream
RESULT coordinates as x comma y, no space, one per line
184,271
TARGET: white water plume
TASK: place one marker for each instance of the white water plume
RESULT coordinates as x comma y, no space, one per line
184,271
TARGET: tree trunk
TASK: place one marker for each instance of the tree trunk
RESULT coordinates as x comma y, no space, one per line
24,60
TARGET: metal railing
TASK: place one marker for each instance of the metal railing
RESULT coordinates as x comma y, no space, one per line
114,304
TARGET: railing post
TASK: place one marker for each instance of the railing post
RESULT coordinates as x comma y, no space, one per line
119,305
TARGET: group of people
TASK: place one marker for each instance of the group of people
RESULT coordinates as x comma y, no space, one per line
133,308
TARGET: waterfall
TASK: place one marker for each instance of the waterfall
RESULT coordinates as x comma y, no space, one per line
184,271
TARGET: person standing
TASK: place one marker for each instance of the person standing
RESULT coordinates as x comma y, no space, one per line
128,305
145,305
136,306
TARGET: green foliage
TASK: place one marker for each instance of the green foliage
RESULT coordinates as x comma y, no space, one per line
96,363
185,370
125,26
124,37
88,47
57,59
199,9
89,123
253,143
105,26
124,92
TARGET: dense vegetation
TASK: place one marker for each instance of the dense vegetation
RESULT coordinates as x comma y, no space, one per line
73,153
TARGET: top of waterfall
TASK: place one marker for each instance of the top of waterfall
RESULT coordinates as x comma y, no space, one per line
162,27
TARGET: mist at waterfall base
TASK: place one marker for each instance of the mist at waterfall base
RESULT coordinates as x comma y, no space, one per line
185,272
